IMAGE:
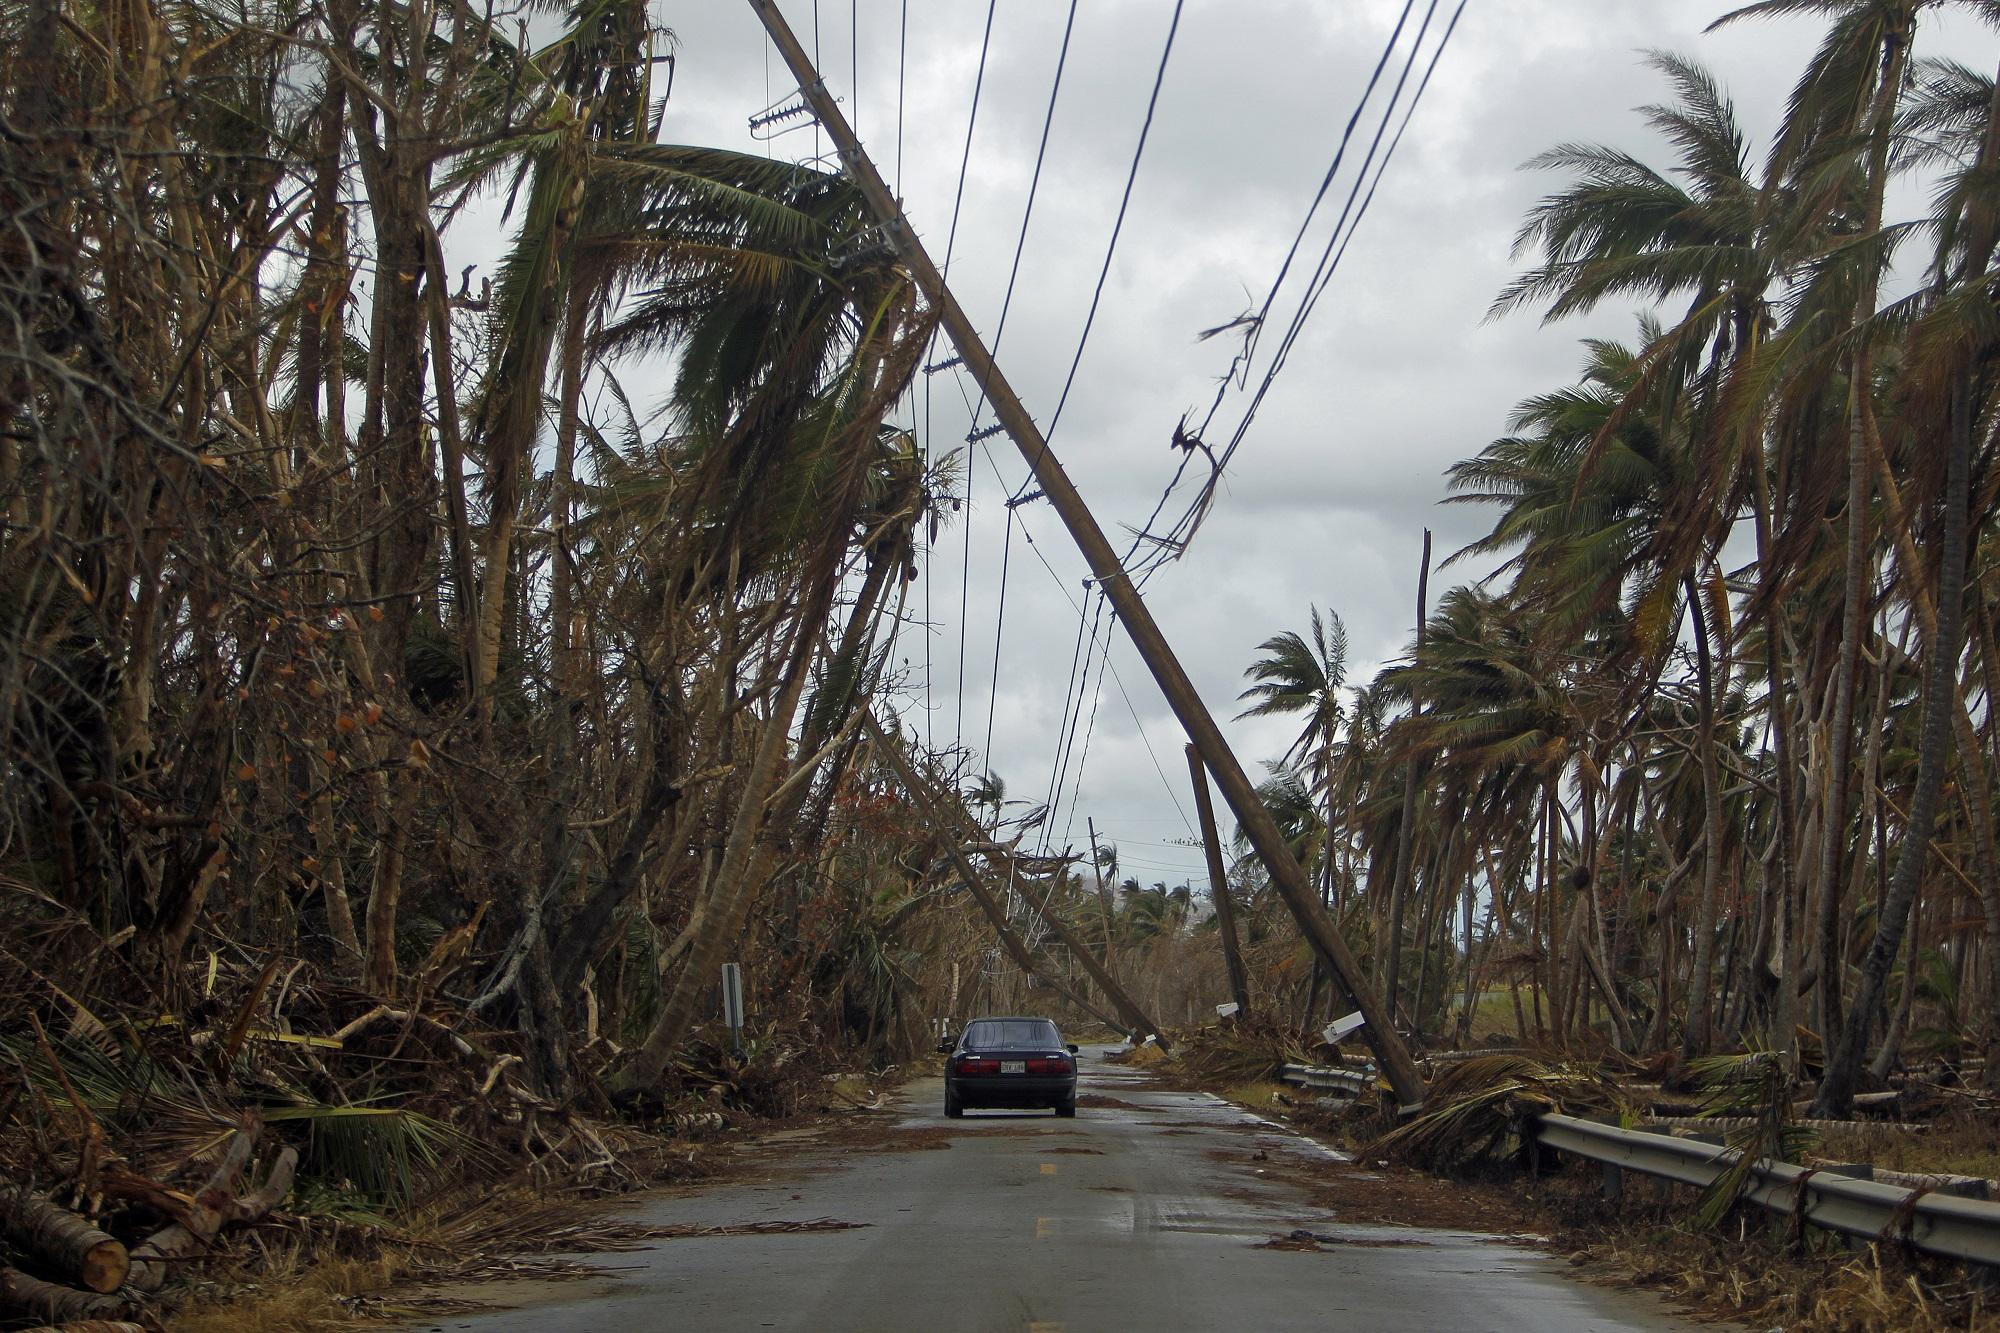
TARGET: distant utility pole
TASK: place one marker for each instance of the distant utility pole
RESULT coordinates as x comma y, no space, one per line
1256,822
1404,871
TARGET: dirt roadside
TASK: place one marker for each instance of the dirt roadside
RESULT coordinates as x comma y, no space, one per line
1754,1268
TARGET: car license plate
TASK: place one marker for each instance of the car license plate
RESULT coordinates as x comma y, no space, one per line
1013,1066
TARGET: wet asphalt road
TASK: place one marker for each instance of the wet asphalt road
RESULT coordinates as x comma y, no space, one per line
1141,1217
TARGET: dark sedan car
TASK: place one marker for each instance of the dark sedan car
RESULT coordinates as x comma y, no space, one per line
1017,1062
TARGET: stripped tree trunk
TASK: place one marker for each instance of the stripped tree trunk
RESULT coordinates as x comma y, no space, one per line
1701,1012
52,1303
1400,886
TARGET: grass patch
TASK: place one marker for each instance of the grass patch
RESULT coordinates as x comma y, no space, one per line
295,1293
1964,1145
1493,1015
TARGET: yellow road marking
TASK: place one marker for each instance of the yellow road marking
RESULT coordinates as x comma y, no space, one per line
1048,1168
1041,1228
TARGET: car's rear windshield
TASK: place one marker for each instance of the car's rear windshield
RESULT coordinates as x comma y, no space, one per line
997,1033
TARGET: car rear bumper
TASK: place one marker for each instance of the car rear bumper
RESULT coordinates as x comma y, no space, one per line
1011,1090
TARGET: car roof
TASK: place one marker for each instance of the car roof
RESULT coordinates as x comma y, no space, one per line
1013,1018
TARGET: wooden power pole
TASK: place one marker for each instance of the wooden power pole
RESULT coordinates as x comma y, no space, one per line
1286,874
1099,969
1218,886
952,835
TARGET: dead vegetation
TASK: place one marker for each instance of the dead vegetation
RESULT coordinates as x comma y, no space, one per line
1747,1265
1759,1269
400,720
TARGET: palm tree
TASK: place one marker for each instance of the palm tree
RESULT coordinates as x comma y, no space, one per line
1960,393
987,792
1590,483
1295,676
1709,231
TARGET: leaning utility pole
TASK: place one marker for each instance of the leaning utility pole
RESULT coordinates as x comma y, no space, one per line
1099,969
1218,887
952,835
1256,822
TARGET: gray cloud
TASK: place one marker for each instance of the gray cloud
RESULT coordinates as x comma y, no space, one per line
1398,375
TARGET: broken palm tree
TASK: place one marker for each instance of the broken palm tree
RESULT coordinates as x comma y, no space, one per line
1757,1089
1480,1111
1232,1054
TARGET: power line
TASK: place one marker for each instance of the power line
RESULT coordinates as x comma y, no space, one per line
951,242
1118,226
999,632
1177,538
1069,747
1067,730
1243,359
1034,187
1140,727
902,58
965,159
1090,730
1000,332
1076,656
1343,231
1065,744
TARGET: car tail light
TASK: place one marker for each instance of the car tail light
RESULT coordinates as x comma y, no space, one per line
1052,1064
973,1064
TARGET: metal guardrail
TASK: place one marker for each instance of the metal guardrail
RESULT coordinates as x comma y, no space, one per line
1965,1229
1928,1219
1352,1082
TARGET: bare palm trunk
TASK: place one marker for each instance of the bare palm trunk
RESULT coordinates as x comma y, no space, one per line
1836,1091
1400,887
1699,1033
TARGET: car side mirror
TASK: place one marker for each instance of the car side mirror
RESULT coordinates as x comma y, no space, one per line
944,1047
1072,1048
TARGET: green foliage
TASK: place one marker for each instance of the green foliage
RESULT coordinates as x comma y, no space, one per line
1758,1087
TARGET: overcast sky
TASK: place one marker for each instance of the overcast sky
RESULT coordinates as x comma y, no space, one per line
1397,376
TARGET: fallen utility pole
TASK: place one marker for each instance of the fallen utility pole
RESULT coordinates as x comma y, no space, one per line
1100,971
1218,886
1286,874
947,835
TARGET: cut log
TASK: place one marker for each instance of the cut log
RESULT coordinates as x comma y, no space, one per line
64,1241
33,1298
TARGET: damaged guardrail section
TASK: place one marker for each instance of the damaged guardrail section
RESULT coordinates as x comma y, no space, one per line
1940,1224
1351,1082
1927,1218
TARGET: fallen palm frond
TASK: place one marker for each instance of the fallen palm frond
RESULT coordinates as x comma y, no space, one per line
1478,1110
388,1154
1758,1087
1233,1054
